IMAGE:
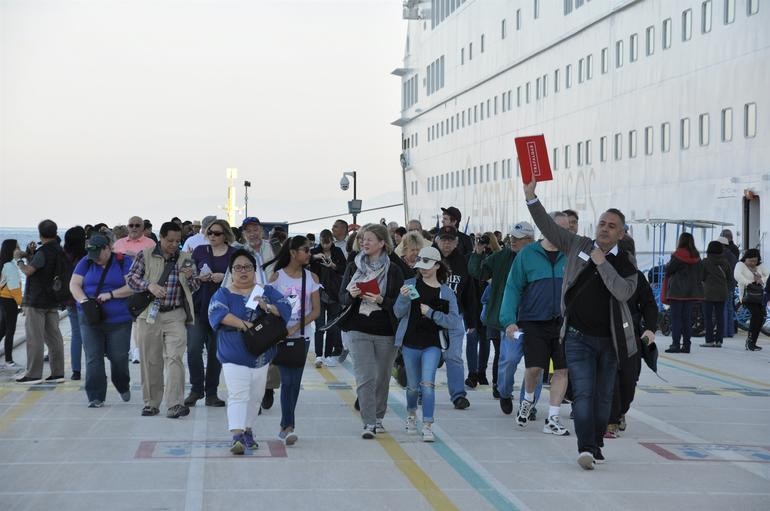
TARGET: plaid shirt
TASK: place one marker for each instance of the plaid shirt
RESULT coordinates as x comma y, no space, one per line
174,291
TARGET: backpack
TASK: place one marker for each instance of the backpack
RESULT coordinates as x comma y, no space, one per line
60,283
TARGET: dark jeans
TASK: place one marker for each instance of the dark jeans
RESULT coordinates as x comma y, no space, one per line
714,315
592,365
291,378
757,319
9,312
333,338
112,339
477,350
681,321
198,334
76,340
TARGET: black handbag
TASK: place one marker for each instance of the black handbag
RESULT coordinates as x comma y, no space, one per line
138,302
92,309
753,294
293,352
264,334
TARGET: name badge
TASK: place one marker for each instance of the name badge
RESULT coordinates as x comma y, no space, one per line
583,256
625,325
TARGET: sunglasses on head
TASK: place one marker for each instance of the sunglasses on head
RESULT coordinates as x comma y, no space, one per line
215,233
135,225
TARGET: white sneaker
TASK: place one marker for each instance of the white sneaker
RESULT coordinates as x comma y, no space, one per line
330,362
411,425
379,426
319,361
291,438
586,460
427,433
523,416
369,432
553,426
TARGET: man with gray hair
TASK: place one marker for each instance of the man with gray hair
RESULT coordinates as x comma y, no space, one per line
136,241
414,225
200,238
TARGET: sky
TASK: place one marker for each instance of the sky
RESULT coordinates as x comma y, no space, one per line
113,108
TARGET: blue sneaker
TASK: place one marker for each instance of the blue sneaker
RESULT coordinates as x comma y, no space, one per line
239,444
248,436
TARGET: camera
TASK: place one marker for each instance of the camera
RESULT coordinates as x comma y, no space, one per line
344,183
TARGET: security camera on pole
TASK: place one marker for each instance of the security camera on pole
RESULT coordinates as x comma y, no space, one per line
354,206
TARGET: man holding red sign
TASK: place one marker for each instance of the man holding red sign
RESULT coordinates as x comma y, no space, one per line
598,280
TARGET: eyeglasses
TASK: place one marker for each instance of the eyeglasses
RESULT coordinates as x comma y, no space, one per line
243,268
215,233
134,226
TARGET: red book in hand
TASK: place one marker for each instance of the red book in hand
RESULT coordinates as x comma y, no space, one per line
533,158
369,286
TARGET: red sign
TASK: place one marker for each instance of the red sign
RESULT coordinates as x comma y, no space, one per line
533,159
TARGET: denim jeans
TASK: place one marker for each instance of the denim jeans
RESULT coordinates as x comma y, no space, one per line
333,340
713,315
477,350
455,370
197,334
729,317
291,378
112,339
592,366
421,366
681,321
511,353
76,342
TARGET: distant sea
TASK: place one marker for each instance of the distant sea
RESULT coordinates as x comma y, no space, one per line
21,234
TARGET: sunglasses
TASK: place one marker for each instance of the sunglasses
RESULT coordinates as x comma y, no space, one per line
134,226
215,233
245,268
426,260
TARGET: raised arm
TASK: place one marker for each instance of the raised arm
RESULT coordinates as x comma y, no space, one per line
557,235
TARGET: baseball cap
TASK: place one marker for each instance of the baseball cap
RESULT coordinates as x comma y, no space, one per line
447,232
723,240
95,245
427,257
523,230
250,220
453,213
196,223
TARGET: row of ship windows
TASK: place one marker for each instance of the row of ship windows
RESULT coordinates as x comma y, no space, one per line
584,149
585,67
441,9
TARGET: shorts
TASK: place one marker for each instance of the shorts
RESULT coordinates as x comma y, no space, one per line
541,344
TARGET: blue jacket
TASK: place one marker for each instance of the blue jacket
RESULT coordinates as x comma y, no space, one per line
452,322
230,347
533,288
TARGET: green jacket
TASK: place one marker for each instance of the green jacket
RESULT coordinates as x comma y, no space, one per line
496,268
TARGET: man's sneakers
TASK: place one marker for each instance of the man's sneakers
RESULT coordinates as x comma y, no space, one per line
177,411
379,427
330,362
506,405
369,432
238,446
553,426
149,411
248,437
319,361
586,460
522,417
461,403
427,433
26,380
55,379
411,425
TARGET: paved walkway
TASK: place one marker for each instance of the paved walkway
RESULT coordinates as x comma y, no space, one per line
699,441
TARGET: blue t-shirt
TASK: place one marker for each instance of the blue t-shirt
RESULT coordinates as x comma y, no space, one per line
116,309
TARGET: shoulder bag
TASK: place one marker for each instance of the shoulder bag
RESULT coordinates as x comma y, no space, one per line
92,309
293,352
265,333
753,294
137,302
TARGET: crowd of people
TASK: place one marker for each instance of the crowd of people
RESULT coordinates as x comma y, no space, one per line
575,308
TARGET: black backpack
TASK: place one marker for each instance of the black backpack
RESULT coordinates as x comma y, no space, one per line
60,281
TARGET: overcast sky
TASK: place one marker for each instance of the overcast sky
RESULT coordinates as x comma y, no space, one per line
111,108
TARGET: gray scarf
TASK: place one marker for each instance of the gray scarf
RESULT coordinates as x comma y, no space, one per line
366,270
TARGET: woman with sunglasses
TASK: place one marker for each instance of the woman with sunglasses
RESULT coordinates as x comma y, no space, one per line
371,286
287,279
245,375
212,262
424,307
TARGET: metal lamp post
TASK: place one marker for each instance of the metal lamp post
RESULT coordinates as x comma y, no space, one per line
354,206
246,186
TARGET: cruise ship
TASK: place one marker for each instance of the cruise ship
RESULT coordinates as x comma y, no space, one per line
657,107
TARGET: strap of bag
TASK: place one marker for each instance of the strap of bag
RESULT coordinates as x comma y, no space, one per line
166,272
302,305
104,275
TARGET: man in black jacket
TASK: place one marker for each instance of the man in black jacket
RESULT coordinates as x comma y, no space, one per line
451,217
461,283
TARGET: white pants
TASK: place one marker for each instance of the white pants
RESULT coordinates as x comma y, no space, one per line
245,389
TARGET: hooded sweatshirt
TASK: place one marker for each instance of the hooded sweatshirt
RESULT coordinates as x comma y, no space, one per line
684,272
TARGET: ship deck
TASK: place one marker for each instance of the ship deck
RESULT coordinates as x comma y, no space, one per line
699,441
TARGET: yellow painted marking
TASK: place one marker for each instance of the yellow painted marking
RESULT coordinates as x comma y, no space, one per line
417,476
717,371
26,402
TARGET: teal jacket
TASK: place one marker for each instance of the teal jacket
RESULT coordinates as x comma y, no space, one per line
533,288
496,267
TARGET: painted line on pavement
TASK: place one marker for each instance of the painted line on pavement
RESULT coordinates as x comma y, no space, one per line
715,371
416,475
25,403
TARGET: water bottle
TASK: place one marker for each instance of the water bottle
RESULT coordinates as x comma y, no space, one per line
153,312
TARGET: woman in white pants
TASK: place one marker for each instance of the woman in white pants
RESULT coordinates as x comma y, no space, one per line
245,375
